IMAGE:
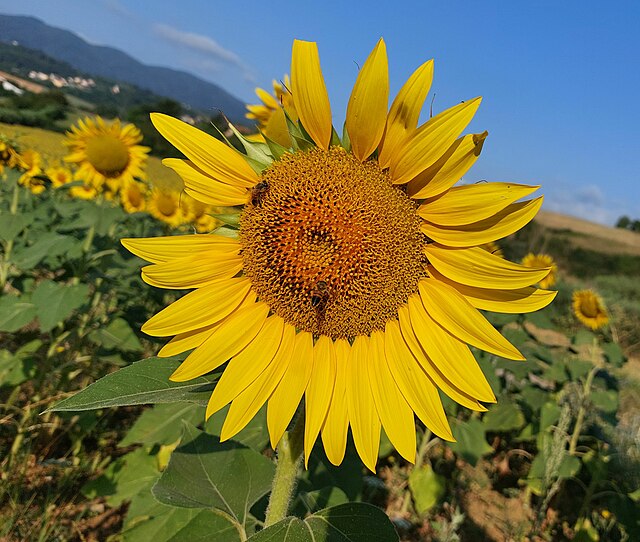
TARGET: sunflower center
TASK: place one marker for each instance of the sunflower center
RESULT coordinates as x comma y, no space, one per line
107,154
134,195
330,244
166,205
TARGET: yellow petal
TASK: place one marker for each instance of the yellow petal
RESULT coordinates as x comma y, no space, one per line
449,169
365,423
192,339
246,405
319,391
248,364
518,301
286,397
336,424
187,341
405,112
394,411
478,267
452,357
471,203
430,367
310,96
199,308
205,188
165,249
506,222
193,271
208,153
235,333
457,316
431,141
277,130
415,385
367,108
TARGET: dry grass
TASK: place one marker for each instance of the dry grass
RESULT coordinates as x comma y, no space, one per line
592,236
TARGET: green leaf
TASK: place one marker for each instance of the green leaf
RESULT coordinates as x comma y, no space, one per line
148,520
254,435
124,478
486,364
205,473
15,313
56,301
503,416
578,368
614,354
583,337
534,398
19,367
427,488
143,382
118,334
161,424
12,225
47,246
605,400
206,526
313,501
350,522
549,415
541,319
471,441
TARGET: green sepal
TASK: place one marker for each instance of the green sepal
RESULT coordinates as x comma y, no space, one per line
335,138
276,149
346,141
258,154
226,231
230,219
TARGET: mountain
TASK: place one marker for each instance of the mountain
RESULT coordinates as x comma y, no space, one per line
114,64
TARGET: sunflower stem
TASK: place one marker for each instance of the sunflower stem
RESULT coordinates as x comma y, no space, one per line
584,399
284,482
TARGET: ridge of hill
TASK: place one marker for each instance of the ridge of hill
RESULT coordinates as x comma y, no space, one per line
112,63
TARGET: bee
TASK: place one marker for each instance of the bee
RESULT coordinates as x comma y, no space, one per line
320,296
258,192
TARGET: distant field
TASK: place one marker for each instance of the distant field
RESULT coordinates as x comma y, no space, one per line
590,235
49,145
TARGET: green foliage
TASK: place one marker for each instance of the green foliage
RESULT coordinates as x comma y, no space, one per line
427,488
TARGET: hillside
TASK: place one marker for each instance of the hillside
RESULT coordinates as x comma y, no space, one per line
111,63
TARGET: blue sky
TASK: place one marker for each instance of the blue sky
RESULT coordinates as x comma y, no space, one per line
560,79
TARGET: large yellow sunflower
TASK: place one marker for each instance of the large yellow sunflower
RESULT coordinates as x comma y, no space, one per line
356,276
106,152
589,309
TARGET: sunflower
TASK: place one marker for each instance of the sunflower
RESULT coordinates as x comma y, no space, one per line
8,153
106,152
589,309
133,196
84,191
165,205
59,175
356,276
200,215
271,114
30,163
542,260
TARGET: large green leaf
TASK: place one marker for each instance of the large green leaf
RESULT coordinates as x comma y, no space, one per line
255,434
206,473
143,382
350,522
206,526
12,225
471,442
56,301
161,424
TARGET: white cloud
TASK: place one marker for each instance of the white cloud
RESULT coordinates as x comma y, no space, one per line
214,54
116,7
588,202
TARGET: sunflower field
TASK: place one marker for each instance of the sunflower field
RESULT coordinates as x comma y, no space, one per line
303,335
